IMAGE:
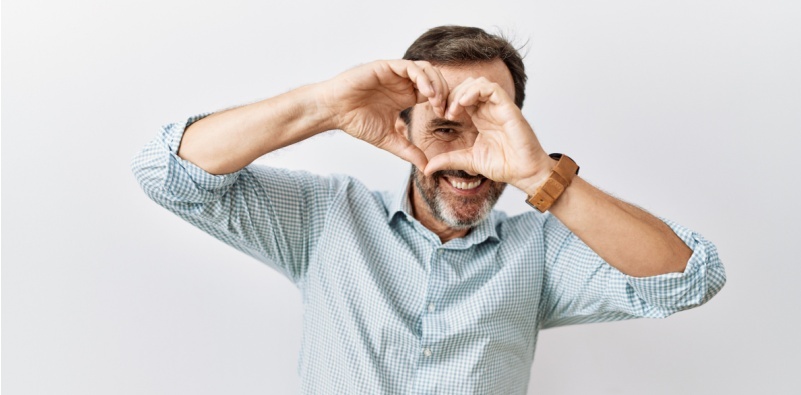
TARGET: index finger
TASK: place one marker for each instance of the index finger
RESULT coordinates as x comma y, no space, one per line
441,90
414,73
452,160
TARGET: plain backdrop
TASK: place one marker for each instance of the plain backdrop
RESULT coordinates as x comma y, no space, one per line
690,109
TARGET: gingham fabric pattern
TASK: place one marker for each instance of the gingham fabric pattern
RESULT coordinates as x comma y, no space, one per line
391,310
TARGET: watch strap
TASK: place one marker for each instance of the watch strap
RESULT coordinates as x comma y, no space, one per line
560,178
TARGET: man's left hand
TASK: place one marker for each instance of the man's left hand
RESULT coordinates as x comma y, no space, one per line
506,148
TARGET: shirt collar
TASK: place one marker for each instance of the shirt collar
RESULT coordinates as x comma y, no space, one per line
400,205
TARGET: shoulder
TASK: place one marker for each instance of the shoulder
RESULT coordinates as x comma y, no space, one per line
302,178
528,218
528,222
303,185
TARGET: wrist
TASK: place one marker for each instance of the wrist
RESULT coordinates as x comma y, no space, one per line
531,183
555,185
319,106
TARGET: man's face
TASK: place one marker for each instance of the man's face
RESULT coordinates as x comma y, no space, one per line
454,197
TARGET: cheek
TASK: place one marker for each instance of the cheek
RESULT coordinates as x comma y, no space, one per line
467,139
427,143
440,146
435,147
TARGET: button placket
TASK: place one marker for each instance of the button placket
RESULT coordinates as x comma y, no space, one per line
431,306
431,331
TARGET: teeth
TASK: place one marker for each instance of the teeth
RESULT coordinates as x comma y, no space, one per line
465,185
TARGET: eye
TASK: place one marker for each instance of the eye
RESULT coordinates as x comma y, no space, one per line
444,131
445,134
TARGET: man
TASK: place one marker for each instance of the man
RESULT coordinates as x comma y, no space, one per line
427,290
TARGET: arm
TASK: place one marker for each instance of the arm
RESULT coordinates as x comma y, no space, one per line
579,287
364,102
273,215
629,239
196,169
227,141
604,259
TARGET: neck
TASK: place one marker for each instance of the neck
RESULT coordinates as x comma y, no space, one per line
422,213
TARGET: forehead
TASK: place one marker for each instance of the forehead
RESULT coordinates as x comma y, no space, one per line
495,71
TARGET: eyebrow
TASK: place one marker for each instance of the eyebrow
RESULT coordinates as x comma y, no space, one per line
442,123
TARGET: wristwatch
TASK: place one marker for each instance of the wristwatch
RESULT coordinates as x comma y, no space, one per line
560,178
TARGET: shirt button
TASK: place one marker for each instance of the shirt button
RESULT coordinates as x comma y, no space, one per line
427,352
440,252
431,307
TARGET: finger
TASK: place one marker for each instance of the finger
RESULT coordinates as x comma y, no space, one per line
480,93
444,93
475,95
431,74
455,109
452,160
439,100
414,73
401,147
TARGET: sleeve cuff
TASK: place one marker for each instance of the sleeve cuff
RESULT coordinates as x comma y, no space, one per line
701,279
186,179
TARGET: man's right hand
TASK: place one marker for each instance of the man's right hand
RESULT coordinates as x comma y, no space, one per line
365,102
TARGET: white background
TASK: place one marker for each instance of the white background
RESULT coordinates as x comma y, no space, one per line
690,109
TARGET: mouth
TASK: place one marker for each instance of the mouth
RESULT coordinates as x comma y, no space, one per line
465,186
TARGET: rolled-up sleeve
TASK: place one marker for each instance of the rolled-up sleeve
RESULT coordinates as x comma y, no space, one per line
579,287
165,176
273,215
703,277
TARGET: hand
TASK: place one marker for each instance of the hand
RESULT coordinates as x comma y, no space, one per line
367,100
506,148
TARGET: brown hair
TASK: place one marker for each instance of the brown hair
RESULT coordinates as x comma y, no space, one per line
461,45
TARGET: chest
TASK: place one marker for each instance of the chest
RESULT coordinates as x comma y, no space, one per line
394,278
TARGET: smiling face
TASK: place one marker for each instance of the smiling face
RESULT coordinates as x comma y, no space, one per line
453,199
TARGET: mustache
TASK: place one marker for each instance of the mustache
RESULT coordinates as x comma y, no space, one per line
455,173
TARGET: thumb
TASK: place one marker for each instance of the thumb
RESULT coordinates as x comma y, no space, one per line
404,149
453,160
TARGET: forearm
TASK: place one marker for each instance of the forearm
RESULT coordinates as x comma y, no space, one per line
227,141
628,238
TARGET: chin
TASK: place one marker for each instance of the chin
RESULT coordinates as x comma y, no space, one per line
455,210
457,217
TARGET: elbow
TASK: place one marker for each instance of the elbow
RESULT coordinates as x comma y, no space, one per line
716,279
150,172
679,259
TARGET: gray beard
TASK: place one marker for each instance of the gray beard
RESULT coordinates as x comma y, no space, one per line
444,212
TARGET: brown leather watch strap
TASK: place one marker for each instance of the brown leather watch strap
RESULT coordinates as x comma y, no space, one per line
560,178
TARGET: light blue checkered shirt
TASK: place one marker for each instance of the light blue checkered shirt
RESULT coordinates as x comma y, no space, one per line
389,309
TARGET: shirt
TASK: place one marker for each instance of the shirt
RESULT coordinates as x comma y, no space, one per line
388,308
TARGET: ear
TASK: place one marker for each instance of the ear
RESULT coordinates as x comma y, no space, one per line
402,128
